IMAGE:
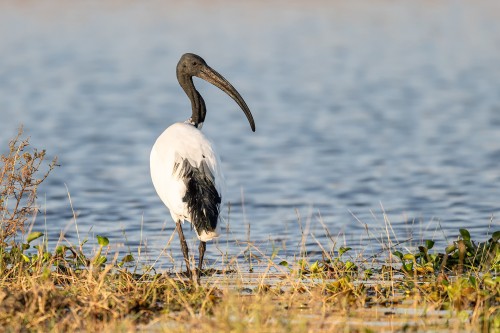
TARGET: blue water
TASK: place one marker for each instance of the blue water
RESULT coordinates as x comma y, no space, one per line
366,113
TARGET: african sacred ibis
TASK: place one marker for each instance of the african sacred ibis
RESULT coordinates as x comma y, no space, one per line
185,168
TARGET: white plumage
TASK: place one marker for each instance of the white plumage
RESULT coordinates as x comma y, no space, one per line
178,142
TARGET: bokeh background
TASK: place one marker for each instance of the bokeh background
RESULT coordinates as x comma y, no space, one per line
367,113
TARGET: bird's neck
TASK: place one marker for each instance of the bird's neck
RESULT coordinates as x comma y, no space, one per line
197,103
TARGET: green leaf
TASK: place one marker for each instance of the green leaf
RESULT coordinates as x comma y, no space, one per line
473,281
489,281
128,258
103,241
496,236
465,234
429,244
33,236
450,248
469,245
349,265
60,249
314,267
408,267
25,257
100,260
283,263
409,256
398,254
343,250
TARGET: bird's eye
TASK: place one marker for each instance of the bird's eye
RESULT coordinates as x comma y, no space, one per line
194,63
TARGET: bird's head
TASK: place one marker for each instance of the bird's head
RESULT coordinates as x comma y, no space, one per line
193,65
190,64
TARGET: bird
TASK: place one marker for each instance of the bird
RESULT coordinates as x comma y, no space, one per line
185,168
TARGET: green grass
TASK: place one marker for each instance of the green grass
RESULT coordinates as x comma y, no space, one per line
73,287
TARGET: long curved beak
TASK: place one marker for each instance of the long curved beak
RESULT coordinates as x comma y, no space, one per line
210,75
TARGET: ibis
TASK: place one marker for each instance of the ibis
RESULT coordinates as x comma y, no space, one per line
185,168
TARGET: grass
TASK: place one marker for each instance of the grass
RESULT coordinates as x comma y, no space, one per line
64,289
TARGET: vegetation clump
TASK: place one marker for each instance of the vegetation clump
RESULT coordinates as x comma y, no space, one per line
69,289
19,181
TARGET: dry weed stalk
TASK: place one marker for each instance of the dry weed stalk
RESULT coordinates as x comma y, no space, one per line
19,172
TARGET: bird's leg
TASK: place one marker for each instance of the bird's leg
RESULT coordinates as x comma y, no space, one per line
201,248
184,247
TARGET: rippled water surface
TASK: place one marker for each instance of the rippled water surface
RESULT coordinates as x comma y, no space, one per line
360,108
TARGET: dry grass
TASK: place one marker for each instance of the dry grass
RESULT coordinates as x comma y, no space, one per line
19,181
65,290
39,297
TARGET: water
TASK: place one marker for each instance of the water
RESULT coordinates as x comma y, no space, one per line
361,108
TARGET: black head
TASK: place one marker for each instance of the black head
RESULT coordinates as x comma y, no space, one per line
193,65
190,64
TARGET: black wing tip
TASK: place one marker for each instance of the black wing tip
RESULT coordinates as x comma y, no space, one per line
201,196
